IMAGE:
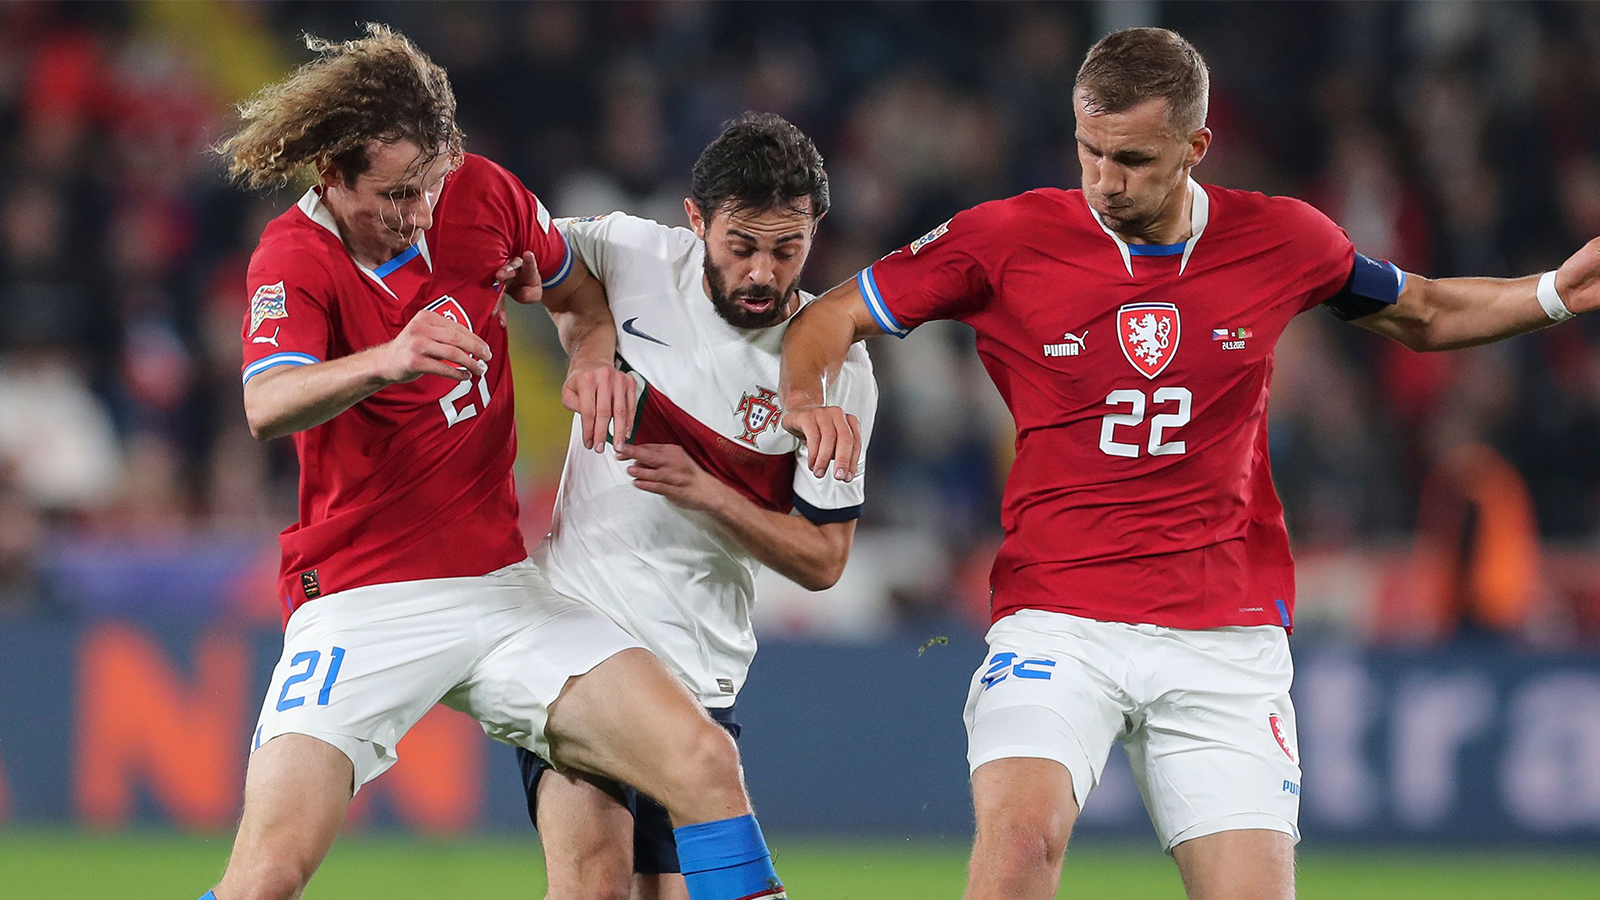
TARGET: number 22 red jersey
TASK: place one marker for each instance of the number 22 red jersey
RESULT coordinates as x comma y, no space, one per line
415,481
1138,379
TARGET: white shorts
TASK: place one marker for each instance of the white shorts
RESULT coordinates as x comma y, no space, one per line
360,667
1204,715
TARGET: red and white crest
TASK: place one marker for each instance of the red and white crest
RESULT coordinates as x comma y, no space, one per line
760,411
1148,333
1282,734
451,309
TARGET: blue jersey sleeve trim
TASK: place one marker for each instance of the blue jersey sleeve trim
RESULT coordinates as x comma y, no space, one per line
868,283
406,255
1283,612
822,516
565,269
275,360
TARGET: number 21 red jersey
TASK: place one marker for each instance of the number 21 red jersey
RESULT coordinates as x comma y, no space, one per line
415,481
1138,378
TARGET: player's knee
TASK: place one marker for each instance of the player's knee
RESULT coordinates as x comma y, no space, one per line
1027,839
708,762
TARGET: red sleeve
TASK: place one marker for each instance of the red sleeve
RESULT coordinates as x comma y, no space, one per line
945,274
528,224
286,323
1325,253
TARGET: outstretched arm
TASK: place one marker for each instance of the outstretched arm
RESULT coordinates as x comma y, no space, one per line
1450,313
814,348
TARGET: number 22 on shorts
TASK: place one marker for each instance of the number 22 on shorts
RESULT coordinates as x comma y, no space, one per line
1004,665
310,658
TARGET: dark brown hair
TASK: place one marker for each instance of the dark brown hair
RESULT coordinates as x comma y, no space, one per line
377,88
760,162
1128,67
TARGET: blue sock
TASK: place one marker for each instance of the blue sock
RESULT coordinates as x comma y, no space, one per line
727,860
208,895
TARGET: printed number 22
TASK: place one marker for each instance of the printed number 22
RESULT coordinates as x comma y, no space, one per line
453,414
311,658
1135,415
1002,665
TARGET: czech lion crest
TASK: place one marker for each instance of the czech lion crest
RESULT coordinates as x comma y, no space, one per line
1148,335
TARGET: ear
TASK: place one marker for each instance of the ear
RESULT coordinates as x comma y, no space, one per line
328,176
697,222
1199,142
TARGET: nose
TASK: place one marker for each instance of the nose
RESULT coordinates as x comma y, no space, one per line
763,269
422,215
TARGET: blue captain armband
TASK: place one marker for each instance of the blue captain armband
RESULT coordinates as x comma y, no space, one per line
1373,286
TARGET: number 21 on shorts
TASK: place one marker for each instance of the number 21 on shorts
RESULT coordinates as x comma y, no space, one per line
310,659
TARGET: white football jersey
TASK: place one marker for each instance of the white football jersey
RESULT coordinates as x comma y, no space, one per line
674,578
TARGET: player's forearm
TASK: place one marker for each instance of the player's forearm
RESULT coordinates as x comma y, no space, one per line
815,345
1464,312
810,555
583,321
288,399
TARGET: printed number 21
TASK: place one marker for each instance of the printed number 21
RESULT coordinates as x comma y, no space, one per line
311,658
453,414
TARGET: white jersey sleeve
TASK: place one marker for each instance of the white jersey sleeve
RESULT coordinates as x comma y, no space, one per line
827,499
605,242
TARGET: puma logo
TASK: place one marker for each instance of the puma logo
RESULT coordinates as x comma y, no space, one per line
268,340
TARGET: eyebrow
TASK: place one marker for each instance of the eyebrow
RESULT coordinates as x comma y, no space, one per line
798,235
1129,154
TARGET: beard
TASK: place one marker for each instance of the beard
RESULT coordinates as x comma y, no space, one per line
736,314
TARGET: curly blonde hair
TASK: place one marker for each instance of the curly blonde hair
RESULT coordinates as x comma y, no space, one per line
377,88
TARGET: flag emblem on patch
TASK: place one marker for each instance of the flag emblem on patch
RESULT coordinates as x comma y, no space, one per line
269,302
1231,338
930,237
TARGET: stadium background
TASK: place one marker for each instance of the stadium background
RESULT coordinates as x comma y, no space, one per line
1445,509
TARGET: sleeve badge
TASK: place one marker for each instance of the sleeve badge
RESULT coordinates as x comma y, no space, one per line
930,237
269,302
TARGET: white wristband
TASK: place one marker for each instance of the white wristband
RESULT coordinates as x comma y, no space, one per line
1550,300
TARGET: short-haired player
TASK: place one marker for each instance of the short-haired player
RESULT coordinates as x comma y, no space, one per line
667,535
1144,590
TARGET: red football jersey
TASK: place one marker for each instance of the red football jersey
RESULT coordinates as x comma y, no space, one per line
415,481
1138,379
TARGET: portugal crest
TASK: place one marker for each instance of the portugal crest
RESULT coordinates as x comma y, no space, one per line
758,412
1148,333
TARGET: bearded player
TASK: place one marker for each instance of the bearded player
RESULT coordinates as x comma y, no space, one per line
1144,591
666,537
374,339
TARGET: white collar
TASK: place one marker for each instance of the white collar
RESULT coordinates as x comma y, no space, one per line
311,204
1199,215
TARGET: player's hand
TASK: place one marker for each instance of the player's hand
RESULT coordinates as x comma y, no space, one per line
1578,279
431,344
519,278
832,436
604,397
666,469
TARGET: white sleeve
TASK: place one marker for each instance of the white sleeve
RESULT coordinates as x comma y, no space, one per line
603,242
827,499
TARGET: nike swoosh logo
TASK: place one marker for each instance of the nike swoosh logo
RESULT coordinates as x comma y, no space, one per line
628,327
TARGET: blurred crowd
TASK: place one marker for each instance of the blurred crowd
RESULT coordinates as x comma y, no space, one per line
1451,138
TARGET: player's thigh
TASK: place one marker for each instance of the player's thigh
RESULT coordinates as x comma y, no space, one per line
631,719
1216,750
586,829
1022,801
360,667
296,791
1251,864
1046,690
